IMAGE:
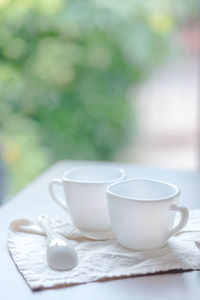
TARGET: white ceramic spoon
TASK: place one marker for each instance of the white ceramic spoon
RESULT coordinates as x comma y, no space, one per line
61,255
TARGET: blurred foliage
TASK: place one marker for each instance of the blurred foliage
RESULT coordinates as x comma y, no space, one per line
65,67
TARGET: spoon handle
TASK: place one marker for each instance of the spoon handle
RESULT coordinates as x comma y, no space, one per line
44,223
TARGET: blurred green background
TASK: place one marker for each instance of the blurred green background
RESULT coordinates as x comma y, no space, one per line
65,70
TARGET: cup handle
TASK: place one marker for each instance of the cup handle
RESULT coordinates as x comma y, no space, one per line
59,200
183,220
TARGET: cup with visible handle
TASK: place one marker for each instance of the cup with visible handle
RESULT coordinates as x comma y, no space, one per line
142,212
85,195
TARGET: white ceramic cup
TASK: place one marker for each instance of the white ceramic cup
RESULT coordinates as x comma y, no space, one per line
142,212
85,195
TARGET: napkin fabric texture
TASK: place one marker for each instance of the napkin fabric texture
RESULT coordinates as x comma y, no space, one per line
100,257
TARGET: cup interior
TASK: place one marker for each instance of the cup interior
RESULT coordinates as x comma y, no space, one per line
94,174
143,189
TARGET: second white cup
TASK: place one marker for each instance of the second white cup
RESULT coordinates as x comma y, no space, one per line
142,212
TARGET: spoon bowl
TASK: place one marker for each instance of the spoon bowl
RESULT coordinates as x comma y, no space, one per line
61,255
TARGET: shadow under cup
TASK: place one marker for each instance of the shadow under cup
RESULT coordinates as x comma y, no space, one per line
142,212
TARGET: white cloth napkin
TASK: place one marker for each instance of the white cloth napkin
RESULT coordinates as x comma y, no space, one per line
102,259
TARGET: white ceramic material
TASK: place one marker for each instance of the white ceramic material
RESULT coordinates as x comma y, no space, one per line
61,255
85,195
142,212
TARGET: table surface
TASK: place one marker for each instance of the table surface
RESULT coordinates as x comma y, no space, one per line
35,199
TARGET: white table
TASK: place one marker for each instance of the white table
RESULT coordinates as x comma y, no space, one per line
35,199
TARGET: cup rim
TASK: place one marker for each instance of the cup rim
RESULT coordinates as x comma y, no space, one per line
121,171
155,200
